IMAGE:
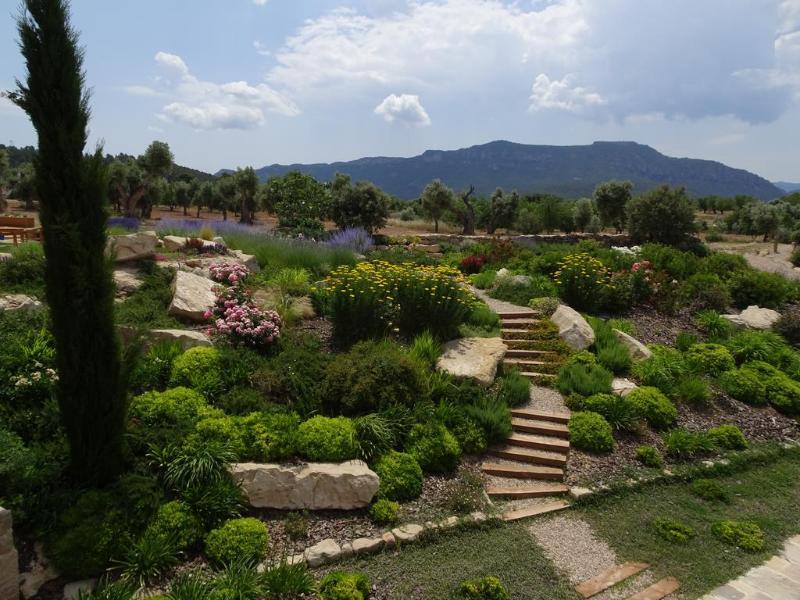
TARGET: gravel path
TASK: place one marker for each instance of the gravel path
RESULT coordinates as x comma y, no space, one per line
771,263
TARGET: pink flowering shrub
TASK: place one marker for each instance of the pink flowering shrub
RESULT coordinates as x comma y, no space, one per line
228,272
236,318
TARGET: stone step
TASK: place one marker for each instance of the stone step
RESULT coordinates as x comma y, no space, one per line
548,443
523,471
609,578
524,324
516,334
527,365
527,413
520,314
540,427
527,491
658,590
536,376
513,352
525,455
533,511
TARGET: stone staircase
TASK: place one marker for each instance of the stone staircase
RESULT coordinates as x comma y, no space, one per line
527,352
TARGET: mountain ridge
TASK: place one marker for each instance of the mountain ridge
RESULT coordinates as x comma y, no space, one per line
569,171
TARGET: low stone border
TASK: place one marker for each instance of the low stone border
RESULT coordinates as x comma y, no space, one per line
328,551
730,463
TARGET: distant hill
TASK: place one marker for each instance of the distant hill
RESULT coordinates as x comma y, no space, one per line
787,186
569,171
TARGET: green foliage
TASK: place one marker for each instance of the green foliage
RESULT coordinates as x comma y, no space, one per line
693,391
727,437
375,436
767,290
545,305
510,290
189,586
662,370
483,280
653,406
618,411
384,512
591,432
425,349
24,274
723,264
361,205
241,401
341,585
276,253
744,385
296,525
436,200
707,291
327,439
611,353
685,340
648,213
709,359
121,589
611,198
682,443
149,559
515,388
584,379
245,539
434,447
154,369
400,477
199,368
491,414
299,200
215,501
582,281
483,318
714,325
161,417
471,438
742,534
748,345
788,325
649,456
270,437
484,588
710,490
784,394
147,306
238,580
174,521
673,531
292,281
285,581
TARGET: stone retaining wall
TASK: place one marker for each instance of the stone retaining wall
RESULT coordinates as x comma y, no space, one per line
609,239
9,570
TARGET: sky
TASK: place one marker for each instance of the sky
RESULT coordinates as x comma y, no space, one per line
231,83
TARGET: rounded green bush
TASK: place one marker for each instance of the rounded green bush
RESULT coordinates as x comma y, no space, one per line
618,411
693,391
649,456
179,408
385,512
245,539
223,429
744,385
784,394
728,437
199,368
340,585
591,432
742,534
176,522
400,476
583,378
515,388
434,447
711,490
682,443
470,436
484,588
653,406
672,530
269,437
662,370
768,290
709,359
327,439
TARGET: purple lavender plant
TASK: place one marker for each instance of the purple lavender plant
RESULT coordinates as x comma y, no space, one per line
354,238
129,223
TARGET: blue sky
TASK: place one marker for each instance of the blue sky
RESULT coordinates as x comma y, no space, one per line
251,82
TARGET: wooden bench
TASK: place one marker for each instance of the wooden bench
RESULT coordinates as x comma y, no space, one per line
20,229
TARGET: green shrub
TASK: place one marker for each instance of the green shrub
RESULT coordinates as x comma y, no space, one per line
710,490
200,369
727,437
291,281
510,290
269,437
708,291
723,264
748,345
245,539
585,380
783,394
165,417
744,385
611,353
680,265
714,325
400,477
425,349
24,274
662,370
214,502
618,411
375,436
224,430
685,340
340,585
296,525
709,359
147,307
371,377
284,581
491,414
515,389
434,447
591,432
154,369
767,290
470,436
693,391
148,559
238,580
581,280
653,406
483,318
673,531
742,534
649,456
788,325
483,280
241,401
385,512
682,443
327,439
176,522
484,588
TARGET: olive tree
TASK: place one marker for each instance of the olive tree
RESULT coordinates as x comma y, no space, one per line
247,186
611,199
664,215
436,199
361,205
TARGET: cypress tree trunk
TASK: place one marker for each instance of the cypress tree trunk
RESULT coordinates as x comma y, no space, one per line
72,192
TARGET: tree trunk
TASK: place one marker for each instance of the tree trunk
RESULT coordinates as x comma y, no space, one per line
198,212
131,202
436,225
469,213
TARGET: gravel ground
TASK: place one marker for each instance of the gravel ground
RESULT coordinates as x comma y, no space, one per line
652,327
546,399
771,263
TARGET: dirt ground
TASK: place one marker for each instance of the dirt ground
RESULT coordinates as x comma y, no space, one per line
760,256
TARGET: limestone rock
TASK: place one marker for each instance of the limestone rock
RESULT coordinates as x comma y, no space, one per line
367,545
578,492
173,242
133,246
192,296
622,387
755,317
248,260
503,272
187,338
19,302
407,533
71,590
573,328
520,280
9,573
126,281
324,552
41,572
313,486
636,349
5,257
475,358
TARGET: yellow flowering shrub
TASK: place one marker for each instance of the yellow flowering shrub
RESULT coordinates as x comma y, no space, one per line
583,281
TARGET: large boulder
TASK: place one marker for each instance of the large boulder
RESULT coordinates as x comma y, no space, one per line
173,242
133,246
755,317
127,281
573,328
636,349
311,486
192,296
13,302
248,260
475,358
187,338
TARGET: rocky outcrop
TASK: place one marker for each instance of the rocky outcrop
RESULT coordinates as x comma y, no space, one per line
192,296
127,281
9,573
636,349
473,358
133,246
573,328
248,260
312,486
13,302
187,338
622,386
755,317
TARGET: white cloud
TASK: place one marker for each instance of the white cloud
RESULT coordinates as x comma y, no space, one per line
208,105
403,108
260,2
561,94
261,49
141,90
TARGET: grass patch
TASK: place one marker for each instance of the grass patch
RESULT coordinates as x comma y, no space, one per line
147,306
767,495
435,571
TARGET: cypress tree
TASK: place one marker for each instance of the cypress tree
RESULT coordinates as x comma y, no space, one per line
72,188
